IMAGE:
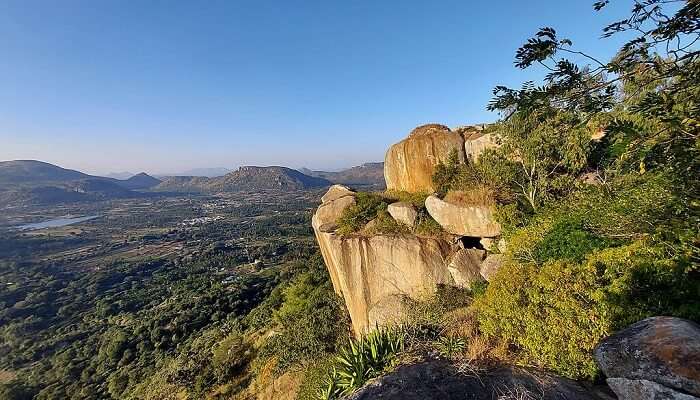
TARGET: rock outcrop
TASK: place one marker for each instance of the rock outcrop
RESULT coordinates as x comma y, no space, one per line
372,272
442,380
376,273
476,142
409,165
475,221
656,358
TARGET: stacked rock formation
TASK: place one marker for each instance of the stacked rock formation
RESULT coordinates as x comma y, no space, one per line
377,273
409,164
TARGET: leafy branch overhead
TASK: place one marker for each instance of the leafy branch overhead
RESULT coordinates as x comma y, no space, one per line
663,42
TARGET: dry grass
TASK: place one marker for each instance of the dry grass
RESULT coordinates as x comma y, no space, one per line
463,323
476,196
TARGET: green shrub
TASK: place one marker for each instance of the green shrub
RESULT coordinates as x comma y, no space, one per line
427,226
416,199
311,322
568,240
555,313
315,378
386,224
367,207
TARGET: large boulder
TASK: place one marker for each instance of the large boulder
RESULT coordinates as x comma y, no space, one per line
642,389
662,350
335,192
477,142
409,165
434,379
476,221
403,212
329,213
371,272
465,267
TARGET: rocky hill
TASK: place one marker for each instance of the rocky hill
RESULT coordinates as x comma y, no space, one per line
27,172
37,182
368,174
245,179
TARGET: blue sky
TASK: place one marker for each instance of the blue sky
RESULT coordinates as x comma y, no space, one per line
165,86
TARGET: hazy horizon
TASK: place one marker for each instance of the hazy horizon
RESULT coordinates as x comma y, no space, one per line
114,86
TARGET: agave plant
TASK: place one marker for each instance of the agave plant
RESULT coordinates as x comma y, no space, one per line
448,346
363,359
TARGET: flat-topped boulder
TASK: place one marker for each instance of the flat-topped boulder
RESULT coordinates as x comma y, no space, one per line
409,164
475,221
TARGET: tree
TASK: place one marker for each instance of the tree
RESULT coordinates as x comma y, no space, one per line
542,151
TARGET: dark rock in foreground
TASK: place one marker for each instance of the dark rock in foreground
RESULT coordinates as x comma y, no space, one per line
441,380
656,358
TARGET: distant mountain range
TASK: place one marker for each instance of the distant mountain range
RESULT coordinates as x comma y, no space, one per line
245,179
368,174
37,182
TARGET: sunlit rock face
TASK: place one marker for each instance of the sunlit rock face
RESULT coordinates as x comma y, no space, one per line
374,274
409,164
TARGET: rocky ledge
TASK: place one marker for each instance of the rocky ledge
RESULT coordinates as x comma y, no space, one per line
376,273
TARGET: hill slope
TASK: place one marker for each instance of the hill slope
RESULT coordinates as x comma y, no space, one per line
246,179
371,174
37,182
32,171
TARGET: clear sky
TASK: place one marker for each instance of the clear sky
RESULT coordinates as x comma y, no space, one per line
165,86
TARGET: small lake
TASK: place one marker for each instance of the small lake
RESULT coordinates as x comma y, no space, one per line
54,223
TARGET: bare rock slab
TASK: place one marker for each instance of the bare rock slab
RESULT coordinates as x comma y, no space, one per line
476,221
664,350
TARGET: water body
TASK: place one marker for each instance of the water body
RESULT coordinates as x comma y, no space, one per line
54,223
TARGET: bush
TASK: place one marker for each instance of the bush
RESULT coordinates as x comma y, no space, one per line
367,207
386,224
555,313
568,240
417,199
311,322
